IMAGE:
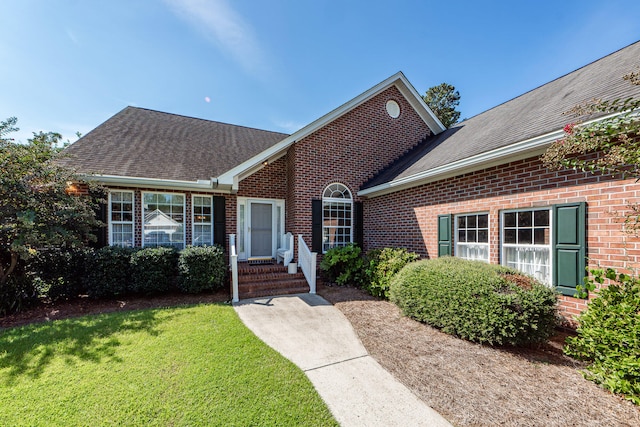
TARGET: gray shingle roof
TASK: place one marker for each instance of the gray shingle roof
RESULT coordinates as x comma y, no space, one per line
530,115
143,143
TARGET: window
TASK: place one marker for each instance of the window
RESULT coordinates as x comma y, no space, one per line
202,220
337,218
472,236
526,242
121,218
163,219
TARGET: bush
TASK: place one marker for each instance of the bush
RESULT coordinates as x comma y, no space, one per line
476,301
343,265
609,335
109,272
17,294
201,268
381,265
153,270
59,273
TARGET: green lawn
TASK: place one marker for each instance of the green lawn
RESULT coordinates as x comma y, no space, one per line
196,366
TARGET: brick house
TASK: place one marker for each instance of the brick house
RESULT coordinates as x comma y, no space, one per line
380,170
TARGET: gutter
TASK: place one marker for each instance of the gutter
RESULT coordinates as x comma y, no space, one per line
205,185
517,151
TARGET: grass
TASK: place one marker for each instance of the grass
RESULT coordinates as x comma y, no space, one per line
192,366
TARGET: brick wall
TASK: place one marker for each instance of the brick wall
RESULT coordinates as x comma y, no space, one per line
270,182
350,150
408,218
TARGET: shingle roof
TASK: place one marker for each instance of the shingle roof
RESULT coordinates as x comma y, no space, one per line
530,115
143,143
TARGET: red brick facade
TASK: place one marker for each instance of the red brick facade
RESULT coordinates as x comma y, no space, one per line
408,218
350,151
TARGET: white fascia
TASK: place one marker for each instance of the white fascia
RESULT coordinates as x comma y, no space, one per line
233,176
517,151
203,185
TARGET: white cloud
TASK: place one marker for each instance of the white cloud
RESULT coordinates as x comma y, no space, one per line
223,26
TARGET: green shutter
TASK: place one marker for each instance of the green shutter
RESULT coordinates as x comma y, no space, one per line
219,221
444,235
316,226
358,229
569,246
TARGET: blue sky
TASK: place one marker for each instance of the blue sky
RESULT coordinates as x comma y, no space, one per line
68,65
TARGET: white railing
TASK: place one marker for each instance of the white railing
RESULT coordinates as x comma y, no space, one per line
307,262
233,260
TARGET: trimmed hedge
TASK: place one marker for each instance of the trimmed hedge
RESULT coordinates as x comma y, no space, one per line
609,335
476,301
109,272
58,273
201,268
153,270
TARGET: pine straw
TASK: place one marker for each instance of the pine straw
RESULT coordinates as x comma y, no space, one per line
476,385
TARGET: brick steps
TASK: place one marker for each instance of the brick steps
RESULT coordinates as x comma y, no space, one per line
268,280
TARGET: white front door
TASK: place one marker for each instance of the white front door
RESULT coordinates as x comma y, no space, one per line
261,230
260,225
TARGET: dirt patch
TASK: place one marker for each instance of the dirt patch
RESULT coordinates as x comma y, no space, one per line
476,385
84,306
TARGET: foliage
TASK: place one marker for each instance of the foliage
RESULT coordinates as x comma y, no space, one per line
153,270
109,272
59,273
17,294
609,146
201,268
36,210
443,100
609,335
475,301
343,264
186,366
380,265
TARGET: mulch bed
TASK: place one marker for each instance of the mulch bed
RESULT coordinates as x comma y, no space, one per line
476,385
469,384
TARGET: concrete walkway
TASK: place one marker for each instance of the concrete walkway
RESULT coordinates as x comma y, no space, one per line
318,338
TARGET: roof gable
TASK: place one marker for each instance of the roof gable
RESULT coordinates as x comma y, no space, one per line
522,126
233,176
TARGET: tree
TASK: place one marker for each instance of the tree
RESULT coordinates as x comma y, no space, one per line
607,146
37,208
443,100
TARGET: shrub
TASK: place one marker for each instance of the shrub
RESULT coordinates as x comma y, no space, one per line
17,294
109,272
59,273
476,301
201,268
343,265
609,335
153,270
381,265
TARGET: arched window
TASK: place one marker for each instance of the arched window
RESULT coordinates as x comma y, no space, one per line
337,216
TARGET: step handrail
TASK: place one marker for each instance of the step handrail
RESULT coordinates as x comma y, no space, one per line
233,260
307,262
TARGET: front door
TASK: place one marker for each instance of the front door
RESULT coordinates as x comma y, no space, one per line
261,236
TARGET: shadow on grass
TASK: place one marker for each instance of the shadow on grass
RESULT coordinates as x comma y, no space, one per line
27,351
